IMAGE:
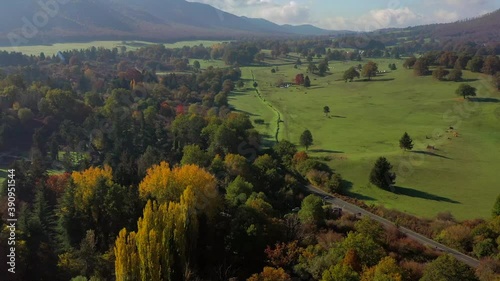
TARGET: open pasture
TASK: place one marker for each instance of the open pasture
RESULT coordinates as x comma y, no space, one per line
367,120
130,45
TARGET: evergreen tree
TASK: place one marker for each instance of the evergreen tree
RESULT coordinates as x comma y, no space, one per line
306,139
406,142
307,82
381,174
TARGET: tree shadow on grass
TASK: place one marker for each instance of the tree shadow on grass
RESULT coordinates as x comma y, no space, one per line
347,187
337,116
422,194
430,154
374,80
492,100
325,151
469,80
244,112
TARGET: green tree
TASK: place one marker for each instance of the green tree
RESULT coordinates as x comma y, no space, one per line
381,174
238,191
307,82
255,84
326,110
340,272
311,211
193,154
369,70
406,142
284,152
323,67
306,139
466,90
455,75
25,115
196,65
496,207
350,74
475,64
448,268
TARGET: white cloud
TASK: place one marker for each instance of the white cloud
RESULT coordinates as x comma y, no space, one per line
376,19
292,12
446,16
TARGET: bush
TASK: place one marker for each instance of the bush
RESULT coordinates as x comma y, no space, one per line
318,178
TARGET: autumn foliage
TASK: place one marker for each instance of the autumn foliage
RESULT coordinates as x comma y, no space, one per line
165,185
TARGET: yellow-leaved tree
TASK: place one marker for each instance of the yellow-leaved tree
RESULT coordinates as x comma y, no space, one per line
164,243
85,183
164,184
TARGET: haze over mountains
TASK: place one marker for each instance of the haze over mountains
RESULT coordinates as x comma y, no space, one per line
25,22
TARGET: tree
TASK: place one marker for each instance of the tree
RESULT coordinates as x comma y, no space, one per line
299,79
238,191
326,110
25,115
270,273
496,207
255,84
312,68
307,82
369,70
386,269
381,174
193,154
410,62
421,67
311,211
323,67
306,139
475,64
350,74
164,185
440,73
491,65
466,90
196,65
284,152
447,268
340,272
406,142
455,75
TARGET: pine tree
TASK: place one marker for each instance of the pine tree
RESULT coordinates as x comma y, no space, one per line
306,139
381,174
406,142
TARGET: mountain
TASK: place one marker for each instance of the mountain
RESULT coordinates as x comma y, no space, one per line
32,22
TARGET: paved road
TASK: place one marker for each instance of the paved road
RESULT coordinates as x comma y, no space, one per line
353,209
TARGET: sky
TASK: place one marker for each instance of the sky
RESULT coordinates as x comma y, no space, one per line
358,15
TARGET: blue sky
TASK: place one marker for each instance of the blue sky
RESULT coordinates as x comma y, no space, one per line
361,15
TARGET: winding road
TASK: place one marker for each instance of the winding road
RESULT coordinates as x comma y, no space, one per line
353,209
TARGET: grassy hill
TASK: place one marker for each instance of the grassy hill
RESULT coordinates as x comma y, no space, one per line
368,118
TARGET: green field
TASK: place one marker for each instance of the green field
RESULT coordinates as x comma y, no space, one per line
131,45
368,118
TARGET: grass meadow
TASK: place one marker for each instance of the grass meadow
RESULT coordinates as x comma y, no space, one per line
367,120
131,45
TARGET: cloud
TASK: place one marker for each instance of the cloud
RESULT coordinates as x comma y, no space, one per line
375,19
291,12
446,16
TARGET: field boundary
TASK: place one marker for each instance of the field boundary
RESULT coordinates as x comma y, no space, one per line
276,136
